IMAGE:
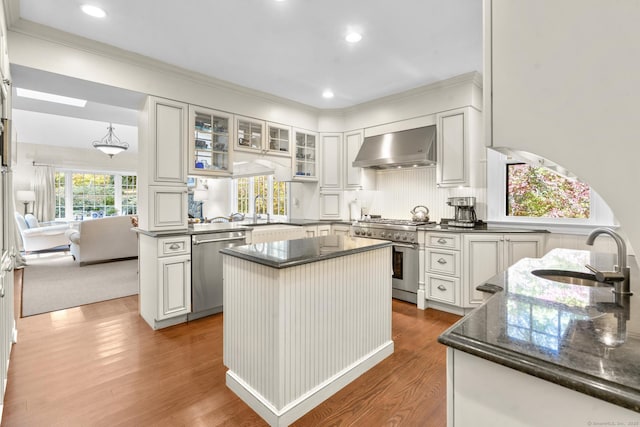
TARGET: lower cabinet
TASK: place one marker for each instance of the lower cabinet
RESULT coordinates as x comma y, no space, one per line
164,265
488,254
340,229
456,263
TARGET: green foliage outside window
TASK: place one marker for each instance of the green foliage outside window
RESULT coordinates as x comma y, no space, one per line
540,192
265,186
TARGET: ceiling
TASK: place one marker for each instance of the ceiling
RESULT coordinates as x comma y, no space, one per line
294,49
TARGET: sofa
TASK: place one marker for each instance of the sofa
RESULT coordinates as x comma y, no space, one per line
39,237
103,239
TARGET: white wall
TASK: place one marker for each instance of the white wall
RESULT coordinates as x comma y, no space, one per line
565,84
88,159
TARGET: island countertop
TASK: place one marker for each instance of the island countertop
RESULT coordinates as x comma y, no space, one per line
576,336
289,253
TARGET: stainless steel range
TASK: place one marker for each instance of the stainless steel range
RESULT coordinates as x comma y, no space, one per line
404,235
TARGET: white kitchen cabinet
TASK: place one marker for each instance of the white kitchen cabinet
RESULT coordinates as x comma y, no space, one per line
352,175
331,161
331,204
305,166
210,151
276,232
324,230
460,152
165,280
163,154
340,229
167,208
250,135
442,264
486,255
311,230
278,139
482,393
162,165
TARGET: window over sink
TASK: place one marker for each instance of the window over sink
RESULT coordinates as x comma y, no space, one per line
261,194
530,194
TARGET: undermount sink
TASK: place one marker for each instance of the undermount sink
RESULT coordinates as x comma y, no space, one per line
570,277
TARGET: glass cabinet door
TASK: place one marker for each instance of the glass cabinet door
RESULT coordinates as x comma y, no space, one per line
279,142
305,156
209,150
250,134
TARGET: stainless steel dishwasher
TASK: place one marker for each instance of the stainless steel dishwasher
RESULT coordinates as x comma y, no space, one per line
206,270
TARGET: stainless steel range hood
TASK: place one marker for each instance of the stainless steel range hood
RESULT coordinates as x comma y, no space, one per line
413,147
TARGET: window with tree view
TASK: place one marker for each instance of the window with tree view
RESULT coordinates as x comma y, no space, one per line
273,195
543,193
82,195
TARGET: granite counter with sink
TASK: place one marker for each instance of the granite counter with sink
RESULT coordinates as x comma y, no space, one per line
579,337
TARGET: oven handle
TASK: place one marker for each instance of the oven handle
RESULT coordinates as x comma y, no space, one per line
405,245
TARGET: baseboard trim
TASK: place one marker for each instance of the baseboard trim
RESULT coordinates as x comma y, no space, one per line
299,407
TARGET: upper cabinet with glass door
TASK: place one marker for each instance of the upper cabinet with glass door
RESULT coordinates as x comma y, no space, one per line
250,134
209,150
279,139
304,162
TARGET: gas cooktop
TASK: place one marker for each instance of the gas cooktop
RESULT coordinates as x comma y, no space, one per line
388,221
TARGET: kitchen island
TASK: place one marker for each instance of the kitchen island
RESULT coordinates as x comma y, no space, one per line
303,318
542,352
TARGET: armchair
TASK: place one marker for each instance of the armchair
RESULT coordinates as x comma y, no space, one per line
37,238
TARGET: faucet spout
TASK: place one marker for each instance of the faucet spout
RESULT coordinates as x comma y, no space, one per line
255,207
621,278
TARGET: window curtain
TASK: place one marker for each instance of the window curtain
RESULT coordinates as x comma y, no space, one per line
43,184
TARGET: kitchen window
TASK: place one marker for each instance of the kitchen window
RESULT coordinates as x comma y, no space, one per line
82,195
273,196
524,194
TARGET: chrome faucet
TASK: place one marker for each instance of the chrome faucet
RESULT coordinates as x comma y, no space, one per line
620,278
255,208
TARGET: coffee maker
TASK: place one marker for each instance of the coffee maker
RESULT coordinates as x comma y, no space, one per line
465,215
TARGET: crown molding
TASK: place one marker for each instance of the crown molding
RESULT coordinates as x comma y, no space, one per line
52,35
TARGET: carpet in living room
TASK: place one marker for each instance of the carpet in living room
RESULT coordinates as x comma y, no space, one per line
55,282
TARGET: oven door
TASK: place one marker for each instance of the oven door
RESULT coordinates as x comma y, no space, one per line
404,260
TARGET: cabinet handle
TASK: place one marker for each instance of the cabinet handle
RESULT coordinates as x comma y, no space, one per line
442,241
442,261
174,246
441,288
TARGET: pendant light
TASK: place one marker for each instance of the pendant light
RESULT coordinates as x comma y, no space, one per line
110,144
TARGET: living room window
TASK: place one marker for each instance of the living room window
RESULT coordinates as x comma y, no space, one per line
274,196
81,195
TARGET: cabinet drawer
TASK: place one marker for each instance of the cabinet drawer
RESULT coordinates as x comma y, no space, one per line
443,289
443,262
448,241
176,245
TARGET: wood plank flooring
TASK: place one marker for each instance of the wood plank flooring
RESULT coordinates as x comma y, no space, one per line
100,365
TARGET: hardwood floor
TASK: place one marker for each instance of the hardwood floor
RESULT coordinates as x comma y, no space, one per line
100,364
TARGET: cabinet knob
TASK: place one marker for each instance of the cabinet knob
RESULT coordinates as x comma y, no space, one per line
442,261
441,288
442,241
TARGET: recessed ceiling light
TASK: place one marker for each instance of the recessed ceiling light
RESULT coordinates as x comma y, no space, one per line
94,11
328,93
50,97
353,37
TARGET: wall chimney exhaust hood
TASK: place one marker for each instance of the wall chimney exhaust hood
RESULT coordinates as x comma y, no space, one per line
407,148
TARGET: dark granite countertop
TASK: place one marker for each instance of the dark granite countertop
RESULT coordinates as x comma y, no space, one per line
240,225
579,337
479,229
289,253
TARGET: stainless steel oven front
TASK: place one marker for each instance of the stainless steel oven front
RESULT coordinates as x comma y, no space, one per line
405,272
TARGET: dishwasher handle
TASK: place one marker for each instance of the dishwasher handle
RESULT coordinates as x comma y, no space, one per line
225,239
